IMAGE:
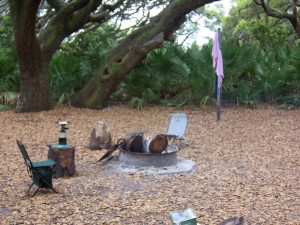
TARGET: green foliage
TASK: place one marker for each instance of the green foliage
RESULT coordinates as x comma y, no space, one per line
9,75
8,99
200,79
173,76
290,101
144,87
155,79
5,107
248,23
247,95
72,67
239,70
6,33
290,97
64,76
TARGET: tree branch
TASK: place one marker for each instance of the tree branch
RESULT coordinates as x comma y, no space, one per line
4,7
56,4
292,17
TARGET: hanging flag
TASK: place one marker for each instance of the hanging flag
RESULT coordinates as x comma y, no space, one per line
218,60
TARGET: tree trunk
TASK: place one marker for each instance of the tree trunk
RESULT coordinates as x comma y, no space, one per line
35,54
132,50
34,83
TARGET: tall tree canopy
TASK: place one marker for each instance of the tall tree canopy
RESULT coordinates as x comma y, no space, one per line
248,22
42,25
282,10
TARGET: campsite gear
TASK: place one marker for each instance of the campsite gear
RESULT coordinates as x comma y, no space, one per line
62,137
177,127
108,155
41,172
184,217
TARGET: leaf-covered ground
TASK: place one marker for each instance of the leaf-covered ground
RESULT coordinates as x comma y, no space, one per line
247,165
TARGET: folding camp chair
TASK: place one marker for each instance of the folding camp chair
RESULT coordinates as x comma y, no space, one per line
41,172
177,127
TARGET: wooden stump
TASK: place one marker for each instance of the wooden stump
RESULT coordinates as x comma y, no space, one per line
64,156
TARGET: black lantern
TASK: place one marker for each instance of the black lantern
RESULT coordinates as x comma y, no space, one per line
62,140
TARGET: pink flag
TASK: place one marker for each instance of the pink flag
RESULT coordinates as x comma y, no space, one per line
218,59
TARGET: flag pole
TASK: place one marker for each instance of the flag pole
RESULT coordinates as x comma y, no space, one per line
218,103
218,92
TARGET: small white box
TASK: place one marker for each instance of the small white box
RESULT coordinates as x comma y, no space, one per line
184,217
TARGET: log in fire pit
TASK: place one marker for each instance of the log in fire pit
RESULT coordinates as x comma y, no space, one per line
140,154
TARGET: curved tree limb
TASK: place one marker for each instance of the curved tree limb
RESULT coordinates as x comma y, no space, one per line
132,50
290,12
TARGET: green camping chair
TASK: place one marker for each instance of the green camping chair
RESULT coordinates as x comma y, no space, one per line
41,172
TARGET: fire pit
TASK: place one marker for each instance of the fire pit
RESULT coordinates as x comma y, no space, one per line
139,156
167,158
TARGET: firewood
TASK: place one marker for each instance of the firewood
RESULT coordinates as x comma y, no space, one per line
134,142
158,144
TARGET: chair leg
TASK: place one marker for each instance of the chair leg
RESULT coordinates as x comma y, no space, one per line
49,186
185,141
54,190
28,192
31,195
42,182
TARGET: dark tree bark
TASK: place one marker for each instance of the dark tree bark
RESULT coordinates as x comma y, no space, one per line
34,90
132,50
35,48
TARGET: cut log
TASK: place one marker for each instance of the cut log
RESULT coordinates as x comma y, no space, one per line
64,157
158,144
135,144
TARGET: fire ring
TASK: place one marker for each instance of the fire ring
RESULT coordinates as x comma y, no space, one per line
167,158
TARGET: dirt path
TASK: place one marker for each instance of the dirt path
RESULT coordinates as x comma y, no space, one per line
247,165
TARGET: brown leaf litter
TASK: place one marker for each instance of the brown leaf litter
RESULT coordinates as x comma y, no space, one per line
246,165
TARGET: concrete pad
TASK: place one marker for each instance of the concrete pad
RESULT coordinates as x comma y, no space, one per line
182,166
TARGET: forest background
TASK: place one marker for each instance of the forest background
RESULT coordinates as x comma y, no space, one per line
261,62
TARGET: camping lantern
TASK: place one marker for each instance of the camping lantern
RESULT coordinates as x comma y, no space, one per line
62,140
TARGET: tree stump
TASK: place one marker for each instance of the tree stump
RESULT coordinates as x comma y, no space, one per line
64,157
